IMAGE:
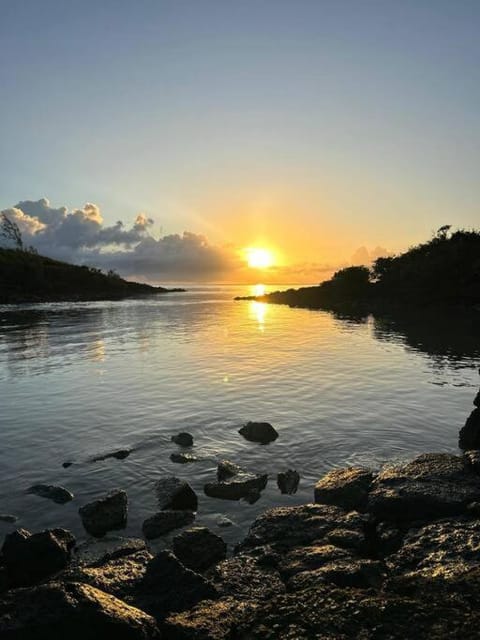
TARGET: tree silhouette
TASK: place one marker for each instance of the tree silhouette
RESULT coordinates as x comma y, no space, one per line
11,231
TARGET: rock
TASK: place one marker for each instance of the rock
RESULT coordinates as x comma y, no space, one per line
176,494
95,552
7,517
227,469
476,400
105,514
348,539
183,439
433,485
252,496
29,558
359,573
183,458
223,521
240,486
469,437
60,495
56,611
67,464
472,458
287,481
311,557
199,548
347,488
169,586
246,578
165,521
120,454
262,432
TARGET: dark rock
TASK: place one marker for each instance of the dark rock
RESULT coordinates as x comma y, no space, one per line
252,496
7,517
29,558
199,548
67,464
105,514
183,458
359,573
348,539
223,521
227,469
165,521
183,439
287,481
56,611
176,494
311,557
433,485
262,432
346,488
388,538
169,586
95,552
473,509
60,495
239,486
121,454
246,578
473,459
469,437
476,400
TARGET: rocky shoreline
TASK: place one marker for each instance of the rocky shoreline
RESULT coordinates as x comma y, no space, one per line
389,554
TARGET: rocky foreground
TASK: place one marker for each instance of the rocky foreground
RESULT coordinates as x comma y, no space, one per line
388,555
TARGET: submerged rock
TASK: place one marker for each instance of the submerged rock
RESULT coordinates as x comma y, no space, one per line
183,439
105,514
60,495
56,611
199,548
176,494
287,481
227,469
165,521
433,485
183,458
240,486
67,464
29,558
223,521
98,551
469,437
7,517
476,400
120,454
262,432
346,488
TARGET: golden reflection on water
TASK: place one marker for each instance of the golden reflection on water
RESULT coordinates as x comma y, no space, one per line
258,290
97,350
258,311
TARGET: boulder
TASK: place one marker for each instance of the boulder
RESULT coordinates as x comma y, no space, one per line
347,488
60,495
164,521
311,557
199,548
246,578
223,521
359,573
120,454
29,558
476,400
95,552
287,481
262,432
227,469
252,496
56,611
105,514
472,458
469,436
183,439
433,485
239,486
176,494
183,458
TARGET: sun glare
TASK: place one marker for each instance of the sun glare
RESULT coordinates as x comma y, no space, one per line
259,258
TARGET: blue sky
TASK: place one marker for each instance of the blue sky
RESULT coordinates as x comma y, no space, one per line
311,126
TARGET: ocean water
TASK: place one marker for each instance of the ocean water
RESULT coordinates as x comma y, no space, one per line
78,380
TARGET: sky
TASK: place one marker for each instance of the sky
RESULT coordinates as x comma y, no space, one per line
322,130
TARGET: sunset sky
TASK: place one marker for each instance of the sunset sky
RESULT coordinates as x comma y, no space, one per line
307,128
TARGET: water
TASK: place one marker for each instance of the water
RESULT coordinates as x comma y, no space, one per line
77,380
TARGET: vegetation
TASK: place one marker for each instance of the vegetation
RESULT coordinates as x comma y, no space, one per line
444,271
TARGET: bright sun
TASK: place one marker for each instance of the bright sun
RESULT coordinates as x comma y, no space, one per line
259,258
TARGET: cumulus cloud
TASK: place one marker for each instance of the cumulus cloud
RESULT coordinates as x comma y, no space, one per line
363,256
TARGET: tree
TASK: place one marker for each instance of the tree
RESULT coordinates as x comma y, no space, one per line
11,231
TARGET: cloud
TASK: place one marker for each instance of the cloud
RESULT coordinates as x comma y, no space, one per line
363,256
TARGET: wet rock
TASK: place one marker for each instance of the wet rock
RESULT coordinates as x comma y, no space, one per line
183,458
223,521
348,539
7,517
476,400
105,514
169,586
287,481
199,548
262,432
240,486
246,578
67,464
120,454
359,573
469,437
183,439
346,488
252,496
227,469
56,611
29,558
96,552
433,485
472,458
311,557
60,495
473,509
287,527
164,521
176,494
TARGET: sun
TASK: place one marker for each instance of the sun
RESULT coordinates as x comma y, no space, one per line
259,258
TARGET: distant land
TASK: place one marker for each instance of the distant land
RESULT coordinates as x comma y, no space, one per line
443,272
29,277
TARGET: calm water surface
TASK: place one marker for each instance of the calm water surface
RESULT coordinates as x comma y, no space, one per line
77,380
